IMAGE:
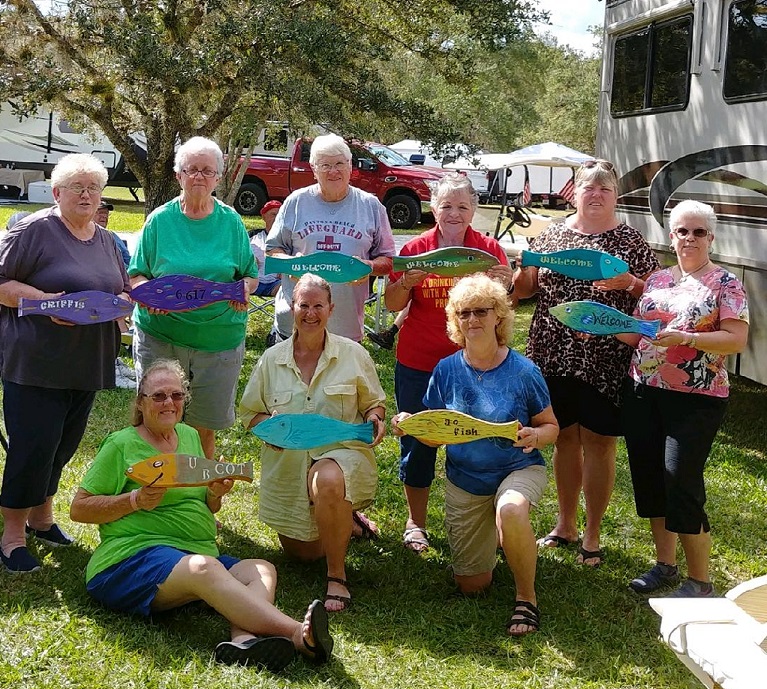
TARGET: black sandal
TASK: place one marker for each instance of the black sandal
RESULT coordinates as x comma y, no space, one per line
524,613
346,600
317,618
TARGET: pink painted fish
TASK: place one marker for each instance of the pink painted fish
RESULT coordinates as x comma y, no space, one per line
185,292
82,308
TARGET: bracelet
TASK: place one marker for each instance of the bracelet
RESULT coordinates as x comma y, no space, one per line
693,341
134,499
630,288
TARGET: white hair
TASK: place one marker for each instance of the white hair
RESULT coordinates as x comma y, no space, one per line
329,145
78,164
695,208
453,181
195,146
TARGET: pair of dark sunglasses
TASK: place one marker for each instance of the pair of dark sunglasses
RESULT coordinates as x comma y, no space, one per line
160,397
606,164
479,313
698,232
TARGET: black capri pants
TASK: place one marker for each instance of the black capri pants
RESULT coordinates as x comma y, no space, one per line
669,435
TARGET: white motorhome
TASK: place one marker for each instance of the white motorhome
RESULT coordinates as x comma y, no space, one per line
683,114
38,142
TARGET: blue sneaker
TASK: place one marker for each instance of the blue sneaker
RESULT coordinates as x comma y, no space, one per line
54,536
692,588
660,576
19,561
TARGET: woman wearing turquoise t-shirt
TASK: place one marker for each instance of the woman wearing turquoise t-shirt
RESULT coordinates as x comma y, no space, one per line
195,234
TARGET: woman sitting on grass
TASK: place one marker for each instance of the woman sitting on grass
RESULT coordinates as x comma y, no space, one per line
158,545
492,482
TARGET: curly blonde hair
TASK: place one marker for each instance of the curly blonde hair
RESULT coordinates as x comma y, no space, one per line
474,292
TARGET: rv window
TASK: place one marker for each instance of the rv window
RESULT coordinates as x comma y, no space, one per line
651,68
745,70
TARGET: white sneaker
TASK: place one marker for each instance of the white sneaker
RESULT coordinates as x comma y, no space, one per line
124,382
122,369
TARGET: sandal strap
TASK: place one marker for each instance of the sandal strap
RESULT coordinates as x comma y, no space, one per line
346,600
525,613
338,580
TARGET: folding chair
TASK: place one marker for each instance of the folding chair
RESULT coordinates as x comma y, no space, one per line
264,305
376,321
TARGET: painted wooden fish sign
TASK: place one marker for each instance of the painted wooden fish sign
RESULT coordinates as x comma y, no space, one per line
309,431
581,264
449,427
329,265
598,319
175,470
185,292
454,261
83,308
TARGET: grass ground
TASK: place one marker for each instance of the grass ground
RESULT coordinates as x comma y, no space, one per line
407,627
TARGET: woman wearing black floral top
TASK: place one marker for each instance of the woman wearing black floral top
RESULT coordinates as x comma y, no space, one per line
585,374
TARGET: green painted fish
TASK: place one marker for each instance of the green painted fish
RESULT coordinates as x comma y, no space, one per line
598,319
308,431
581,264
330,265
453,261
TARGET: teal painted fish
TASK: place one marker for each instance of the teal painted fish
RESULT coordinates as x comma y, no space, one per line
598,319
454,261
581,264
330,265
308,431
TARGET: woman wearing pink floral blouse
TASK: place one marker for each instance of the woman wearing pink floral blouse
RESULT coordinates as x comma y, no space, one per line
676,397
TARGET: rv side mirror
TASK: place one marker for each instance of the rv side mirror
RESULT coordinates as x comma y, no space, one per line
367,165
418,159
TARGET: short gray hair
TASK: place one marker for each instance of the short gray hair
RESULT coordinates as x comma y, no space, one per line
195,146
329,145
171,366
453,181
696,208
309,280
78,164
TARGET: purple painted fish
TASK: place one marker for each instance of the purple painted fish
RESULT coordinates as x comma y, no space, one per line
83,308
185,292
598,319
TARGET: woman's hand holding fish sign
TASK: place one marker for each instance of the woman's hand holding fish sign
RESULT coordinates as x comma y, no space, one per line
527,439
411,278
379,426
624,282
395,429
218,489
148,497
503,274
250,286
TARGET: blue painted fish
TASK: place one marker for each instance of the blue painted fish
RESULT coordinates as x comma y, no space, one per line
597,319
83,308
185,292
174,470
454,261
330,265
308,431
581,264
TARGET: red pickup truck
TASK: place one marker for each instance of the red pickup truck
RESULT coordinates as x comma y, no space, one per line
399,185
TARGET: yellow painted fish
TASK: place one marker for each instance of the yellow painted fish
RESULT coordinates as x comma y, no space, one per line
454,427
175,470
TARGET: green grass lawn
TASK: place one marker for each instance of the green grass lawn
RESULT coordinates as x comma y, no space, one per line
407,627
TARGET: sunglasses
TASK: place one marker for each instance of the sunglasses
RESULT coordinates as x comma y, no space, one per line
160,397
479,313
606,164
698,232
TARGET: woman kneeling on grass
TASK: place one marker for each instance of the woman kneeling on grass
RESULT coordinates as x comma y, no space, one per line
492,482
158,545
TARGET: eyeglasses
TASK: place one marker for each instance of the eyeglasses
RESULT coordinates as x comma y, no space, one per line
160,397
327,167
698,232
479,313
78,189
193,172
606,164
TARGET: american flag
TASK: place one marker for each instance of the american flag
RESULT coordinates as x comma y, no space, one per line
568,192
527,197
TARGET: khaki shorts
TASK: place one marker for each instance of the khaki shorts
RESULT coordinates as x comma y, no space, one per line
212,378
470,519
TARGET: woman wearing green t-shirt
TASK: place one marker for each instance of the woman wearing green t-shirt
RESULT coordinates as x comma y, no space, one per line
195,234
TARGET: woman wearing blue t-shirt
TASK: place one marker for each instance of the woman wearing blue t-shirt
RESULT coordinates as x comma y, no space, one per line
492,482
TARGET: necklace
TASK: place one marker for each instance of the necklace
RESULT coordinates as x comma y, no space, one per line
685,275
478,372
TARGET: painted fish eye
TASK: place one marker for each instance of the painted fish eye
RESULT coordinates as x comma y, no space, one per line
130,470
157,464
568,309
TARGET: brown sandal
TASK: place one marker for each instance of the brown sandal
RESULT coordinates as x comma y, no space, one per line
346,600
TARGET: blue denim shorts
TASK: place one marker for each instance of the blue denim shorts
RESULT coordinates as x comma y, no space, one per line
131,585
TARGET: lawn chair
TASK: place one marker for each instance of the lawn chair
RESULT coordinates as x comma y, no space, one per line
376,321
262,305
722,641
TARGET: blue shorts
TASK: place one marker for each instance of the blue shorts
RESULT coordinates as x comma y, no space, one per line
131,585
267,289
416,466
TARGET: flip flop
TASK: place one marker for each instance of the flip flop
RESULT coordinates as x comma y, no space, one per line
590,555
524,613
271,652
554,541
369,528
322,648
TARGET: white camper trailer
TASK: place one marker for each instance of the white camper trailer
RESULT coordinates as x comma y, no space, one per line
682,114
38,142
